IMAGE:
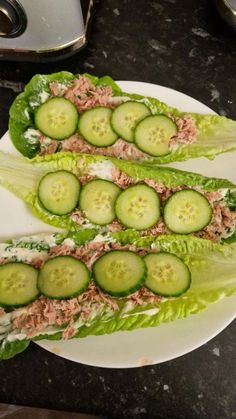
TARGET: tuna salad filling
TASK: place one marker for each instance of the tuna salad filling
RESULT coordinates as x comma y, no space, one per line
162,279
85,96
222,224
47,315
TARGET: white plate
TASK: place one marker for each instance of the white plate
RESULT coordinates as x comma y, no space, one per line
143,346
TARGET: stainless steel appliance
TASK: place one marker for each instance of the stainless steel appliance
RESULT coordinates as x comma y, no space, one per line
40,30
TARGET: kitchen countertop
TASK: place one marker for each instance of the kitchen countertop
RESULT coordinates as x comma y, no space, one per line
183,45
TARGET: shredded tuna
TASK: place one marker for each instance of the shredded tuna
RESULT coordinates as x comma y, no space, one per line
222,223
187,130
159,187
4,260
91,251
213,196
57,89
77,216
121,149
159,228
61,250
121,179
48,146
115,226
38,261
86,96
144,295
69,332
85,179
2,312
45,312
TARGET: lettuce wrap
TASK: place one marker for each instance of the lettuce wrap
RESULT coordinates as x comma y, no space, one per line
23,176
197,135
213,277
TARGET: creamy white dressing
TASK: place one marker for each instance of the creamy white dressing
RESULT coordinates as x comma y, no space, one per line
46,141
62,88
26,112
43,96
15,335
102,169
21,254
99,238
69,242
5,320
32,135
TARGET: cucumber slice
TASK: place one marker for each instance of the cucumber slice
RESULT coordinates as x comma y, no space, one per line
126,116
187,211
59,192
119,272
63,277
57,118
167,275
138,207
97,201
94,126
18,284
152,134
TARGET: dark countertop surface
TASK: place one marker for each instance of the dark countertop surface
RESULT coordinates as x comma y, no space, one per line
186,46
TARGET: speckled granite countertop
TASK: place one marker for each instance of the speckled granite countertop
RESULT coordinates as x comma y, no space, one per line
183,45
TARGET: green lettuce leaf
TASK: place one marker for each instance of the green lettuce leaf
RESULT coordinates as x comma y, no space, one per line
22,177
10,349
216,134
213,270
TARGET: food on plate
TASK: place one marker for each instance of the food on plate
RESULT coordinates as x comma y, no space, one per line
87,114
77,191
59,192
64,285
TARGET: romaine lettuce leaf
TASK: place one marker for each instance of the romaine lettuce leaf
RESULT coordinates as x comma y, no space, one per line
22,177
213,270
216,134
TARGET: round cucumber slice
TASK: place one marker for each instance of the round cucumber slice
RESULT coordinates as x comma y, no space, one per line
126,116
97,201
152,135
57,118
18,284
59,192
167,275
138,207
63,277
94,126
187,211
119,272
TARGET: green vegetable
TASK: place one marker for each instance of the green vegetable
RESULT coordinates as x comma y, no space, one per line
126,116
97,201
63,277
138,207
57,118
167,274
95,127
187,211
153,133
119,272
18,284
59,192
215,134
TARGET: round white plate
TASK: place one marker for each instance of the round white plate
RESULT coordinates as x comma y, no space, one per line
143,346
